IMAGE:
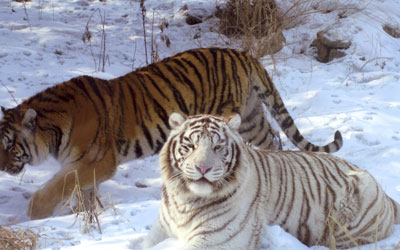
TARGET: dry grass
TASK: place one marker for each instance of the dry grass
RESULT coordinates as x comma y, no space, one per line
397,247
86,205
241,17
255,23
334,225
101,58
9,92
143,12
154,54
26,11
17,239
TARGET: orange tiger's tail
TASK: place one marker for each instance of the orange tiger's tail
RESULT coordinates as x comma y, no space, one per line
269,95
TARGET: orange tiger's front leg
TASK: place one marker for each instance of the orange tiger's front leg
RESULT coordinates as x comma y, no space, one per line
45,200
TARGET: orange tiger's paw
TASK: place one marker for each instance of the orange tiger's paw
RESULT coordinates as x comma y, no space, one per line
40,206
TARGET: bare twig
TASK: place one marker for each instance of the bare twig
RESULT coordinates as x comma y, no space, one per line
87,37
134,56
102,56
152,39
26,14
9,91
375,59
143,8
52,5
154,47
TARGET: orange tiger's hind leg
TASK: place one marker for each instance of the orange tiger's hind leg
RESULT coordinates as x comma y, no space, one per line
257,130
45,200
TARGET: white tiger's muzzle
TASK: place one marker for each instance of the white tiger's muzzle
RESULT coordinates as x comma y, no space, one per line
203,168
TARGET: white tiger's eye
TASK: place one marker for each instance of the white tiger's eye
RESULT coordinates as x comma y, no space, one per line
184,149
217,148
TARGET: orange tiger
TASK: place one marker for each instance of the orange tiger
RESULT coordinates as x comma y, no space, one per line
91,125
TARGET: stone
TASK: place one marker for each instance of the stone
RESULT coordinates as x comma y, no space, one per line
392,30
334,53
192,20
330,43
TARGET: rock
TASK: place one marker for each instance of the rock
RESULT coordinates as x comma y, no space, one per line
266,45
392,30
274,43
83,3
333,54
192,20
329,42
322,51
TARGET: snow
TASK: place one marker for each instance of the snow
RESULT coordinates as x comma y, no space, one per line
359,95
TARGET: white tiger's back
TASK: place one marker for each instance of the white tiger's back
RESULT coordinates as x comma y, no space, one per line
320,190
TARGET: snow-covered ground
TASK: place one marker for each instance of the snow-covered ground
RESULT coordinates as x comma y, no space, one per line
358,95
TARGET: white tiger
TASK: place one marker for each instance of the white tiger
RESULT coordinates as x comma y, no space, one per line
219,193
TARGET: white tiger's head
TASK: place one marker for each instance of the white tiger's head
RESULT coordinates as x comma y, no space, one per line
203,155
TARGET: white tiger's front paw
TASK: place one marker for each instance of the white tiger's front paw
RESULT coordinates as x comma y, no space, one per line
148,242
137,243
193,247
168,244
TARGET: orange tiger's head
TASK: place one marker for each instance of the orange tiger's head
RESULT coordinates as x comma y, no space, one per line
203,155
16,133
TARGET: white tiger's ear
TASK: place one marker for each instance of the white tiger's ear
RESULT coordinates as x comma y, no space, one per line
176,119
234,122
29,120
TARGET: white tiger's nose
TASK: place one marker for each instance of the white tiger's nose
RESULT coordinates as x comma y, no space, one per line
203,169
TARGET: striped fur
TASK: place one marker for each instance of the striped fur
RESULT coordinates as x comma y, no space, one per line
92,124
218,192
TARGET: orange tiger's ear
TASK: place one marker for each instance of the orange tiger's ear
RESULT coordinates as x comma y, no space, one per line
3,109
176,119
234,122
29,120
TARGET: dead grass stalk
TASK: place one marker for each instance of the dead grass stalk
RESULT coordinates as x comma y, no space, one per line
255,23
258,24
18,239
143,9
9,92
26,14
102,58
86,205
